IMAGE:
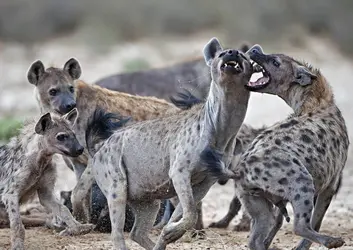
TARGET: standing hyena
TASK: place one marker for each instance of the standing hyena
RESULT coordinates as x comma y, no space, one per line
27,168
159,159
299,160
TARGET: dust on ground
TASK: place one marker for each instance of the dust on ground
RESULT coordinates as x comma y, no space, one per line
263,110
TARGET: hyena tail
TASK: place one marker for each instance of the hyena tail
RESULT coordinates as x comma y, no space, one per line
212,159
100,127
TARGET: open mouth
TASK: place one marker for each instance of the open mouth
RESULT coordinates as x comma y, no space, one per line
260,78
231,66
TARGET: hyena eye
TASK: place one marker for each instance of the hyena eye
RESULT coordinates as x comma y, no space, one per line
61,137
275,63
72,89
53,92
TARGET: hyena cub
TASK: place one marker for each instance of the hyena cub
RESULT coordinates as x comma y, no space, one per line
27,168
299,160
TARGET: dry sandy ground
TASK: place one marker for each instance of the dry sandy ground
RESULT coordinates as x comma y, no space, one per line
262,110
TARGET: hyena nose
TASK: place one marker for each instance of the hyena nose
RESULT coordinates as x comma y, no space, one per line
70,106
232,52
79,150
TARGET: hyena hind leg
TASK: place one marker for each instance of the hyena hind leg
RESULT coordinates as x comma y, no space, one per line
321,205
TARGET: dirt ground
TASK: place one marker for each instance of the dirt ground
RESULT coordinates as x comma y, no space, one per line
339,219
338,222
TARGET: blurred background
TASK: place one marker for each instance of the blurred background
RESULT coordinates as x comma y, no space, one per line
112,36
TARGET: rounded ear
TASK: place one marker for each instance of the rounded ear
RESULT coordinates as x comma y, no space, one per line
211,49
71,116
303,76
35,71
256,49
43,124
72,66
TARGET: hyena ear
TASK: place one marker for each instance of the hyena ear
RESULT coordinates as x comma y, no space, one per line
72,66
71,116
211,49
35,71
256,49
303,76
43,124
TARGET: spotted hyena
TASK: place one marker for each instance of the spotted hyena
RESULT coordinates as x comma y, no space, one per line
299,160
169,150
27,169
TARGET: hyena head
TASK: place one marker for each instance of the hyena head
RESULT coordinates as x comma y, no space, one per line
278,74
54,87
227,66
57,133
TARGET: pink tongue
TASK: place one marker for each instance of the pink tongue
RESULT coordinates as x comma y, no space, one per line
259,81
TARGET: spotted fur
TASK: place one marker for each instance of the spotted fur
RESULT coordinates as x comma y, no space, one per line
27,168
299,160
168,158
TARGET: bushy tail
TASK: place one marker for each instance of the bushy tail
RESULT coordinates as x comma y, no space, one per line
100,127
213,160
185,100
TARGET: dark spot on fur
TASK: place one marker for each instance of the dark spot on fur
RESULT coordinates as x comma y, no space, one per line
304,215
268,174
283,181
306,138
253,159
198,127
297,197
297,216
296,161
106,175
267,165
304,189
307,160
275,164
280,190
257,170
267,151
114,195
307,202
264,179
307,220
287,138
278,142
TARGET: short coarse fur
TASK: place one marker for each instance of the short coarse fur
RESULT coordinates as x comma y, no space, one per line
27,168
161,158
299,160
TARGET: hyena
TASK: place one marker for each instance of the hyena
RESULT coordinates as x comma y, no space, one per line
27,169
58,90
159,159
186,100
299,160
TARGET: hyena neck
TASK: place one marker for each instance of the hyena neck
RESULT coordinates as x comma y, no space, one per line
310,99
224,112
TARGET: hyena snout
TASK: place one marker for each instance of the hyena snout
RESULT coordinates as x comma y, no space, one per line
67,107
75,149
